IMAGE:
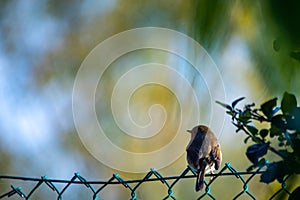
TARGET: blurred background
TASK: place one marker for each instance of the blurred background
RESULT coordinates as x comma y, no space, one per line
255,45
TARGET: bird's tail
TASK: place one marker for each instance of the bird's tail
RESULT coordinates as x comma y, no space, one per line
200,178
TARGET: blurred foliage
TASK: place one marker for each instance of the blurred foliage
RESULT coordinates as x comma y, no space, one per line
283,122
280,32
211,28
265,26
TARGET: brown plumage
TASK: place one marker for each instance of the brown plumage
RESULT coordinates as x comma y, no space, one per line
203,152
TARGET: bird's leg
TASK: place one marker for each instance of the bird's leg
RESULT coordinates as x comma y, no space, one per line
211,171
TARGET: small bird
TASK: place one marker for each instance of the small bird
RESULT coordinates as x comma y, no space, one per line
203,153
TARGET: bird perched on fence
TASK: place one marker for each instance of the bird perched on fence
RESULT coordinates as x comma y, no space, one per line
203,153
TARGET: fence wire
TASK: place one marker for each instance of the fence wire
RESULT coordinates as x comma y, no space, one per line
133,185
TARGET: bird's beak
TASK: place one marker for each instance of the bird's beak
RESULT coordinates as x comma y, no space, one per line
189,131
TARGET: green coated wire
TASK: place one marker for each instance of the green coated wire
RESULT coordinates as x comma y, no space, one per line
151,176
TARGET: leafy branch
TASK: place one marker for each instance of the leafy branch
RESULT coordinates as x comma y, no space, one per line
283,122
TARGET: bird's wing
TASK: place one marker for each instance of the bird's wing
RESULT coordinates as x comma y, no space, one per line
193,157
216,156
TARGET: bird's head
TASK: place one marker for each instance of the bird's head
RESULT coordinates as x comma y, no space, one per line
199,128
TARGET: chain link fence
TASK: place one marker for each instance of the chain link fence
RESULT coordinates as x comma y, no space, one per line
96,187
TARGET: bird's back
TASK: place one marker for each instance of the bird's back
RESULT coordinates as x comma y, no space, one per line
202,139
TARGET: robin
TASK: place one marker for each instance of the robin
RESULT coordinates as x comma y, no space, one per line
203,153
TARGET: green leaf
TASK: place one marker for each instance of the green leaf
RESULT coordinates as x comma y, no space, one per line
274,131
245,117
243,120
246,139
296,141
279,121
263,132
239,127
296,113
252,129
294,123
288,103
274,111
225,105
236,101
229,113
275,170
256,151
251,168
281,138
262,162
267,107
